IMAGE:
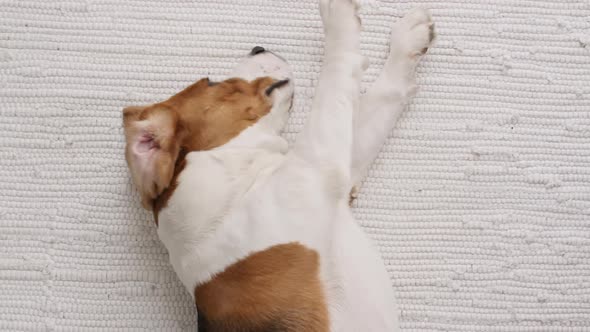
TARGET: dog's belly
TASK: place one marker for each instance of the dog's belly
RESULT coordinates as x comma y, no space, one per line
308,207
366,301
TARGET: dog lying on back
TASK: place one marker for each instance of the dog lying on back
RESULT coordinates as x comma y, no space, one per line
259,233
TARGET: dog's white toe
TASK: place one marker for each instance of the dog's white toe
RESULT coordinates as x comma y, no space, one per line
412,34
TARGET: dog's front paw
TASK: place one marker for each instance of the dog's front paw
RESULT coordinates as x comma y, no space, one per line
341,20
412,35
335,11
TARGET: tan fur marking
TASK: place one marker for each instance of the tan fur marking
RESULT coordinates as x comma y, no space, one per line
160,202
201,117
212,115
277,289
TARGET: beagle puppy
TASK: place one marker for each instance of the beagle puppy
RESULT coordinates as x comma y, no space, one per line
260,233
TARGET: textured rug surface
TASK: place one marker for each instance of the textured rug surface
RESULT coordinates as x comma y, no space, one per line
479,202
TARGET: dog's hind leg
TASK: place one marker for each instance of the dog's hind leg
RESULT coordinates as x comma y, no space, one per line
326,141
382,105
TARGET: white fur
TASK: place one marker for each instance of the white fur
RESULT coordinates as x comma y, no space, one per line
253,192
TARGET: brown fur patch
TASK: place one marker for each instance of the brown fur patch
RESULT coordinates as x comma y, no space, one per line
277,289
201,117
160,202
211,115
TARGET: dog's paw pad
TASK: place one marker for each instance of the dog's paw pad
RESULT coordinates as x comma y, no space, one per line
354,193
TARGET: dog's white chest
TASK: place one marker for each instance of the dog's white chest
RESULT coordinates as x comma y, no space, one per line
206,196
230,204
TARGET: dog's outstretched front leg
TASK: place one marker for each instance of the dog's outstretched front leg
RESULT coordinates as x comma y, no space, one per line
384,102
327,139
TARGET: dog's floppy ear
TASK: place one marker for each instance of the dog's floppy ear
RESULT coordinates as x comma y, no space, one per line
153,142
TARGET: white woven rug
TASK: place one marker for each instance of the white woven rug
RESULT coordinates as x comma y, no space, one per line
480,202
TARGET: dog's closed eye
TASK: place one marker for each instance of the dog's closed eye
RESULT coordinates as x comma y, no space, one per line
275,86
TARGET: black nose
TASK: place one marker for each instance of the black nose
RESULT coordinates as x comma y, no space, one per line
257,50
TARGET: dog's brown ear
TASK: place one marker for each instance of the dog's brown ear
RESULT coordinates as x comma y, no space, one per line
153,143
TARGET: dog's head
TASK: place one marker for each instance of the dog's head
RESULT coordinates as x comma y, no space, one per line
204,116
